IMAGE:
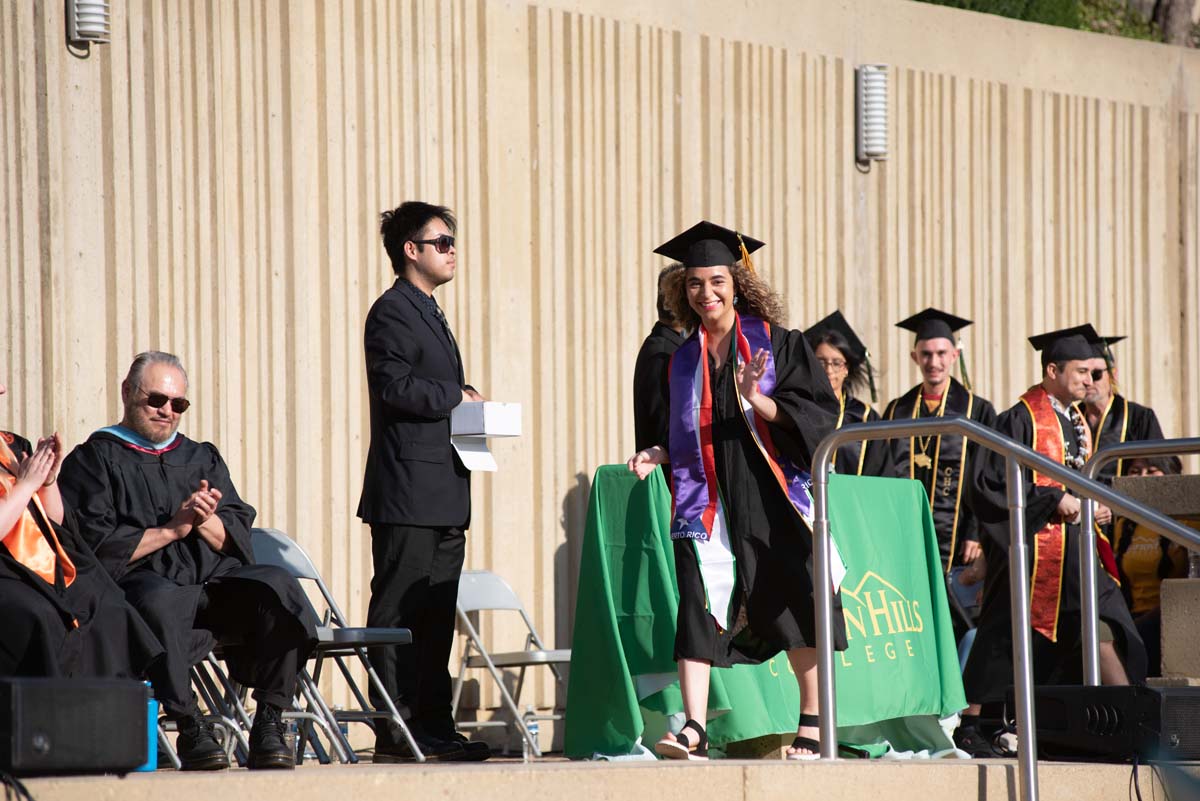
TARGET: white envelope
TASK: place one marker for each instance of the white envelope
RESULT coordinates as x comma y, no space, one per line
474,454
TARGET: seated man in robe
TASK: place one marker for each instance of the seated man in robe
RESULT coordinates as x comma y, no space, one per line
165,520
62,614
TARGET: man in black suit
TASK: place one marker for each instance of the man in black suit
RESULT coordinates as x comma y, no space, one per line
416,493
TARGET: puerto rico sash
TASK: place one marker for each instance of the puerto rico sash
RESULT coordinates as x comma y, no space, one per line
697,513
1049,544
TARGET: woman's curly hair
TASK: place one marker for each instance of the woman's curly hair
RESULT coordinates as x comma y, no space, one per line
755,298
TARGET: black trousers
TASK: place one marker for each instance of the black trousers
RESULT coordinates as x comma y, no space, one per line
415,586
264,639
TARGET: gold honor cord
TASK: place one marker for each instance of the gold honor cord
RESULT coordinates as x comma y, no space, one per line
962,366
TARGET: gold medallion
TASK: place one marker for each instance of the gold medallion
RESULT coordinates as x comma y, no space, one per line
922,460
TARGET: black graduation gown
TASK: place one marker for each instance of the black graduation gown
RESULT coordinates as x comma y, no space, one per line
118,492
773,608
989,672
873,458
942,479
1125,421
648,372
86,629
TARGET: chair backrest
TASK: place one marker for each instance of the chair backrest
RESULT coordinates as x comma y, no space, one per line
482,589
273,547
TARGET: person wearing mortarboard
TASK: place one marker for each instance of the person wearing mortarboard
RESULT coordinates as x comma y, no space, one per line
747,403
1111,418
1048,419
847,365
940,463
664,339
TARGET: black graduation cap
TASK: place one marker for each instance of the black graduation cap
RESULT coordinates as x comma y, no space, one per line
706,244
837,323
933,324
1067,344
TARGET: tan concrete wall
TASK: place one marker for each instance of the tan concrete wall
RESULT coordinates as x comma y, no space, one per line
209,183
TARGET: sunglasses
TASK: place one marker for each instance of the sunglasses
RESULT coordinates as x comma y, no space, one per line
157,400
1098,374
441,244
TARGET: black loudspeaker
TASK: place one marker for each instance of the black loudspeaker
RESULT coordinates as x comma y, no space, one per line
50,726
1117,724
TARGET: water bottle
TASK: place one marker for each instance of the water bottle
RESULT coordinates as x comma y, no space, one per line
531,723
1193,564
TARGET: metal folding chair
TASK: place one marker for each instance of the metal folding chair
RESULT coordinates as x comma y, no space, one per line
483,591
338,642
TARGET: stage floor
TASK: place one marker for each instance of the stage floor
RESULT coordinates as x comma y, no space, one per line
724,780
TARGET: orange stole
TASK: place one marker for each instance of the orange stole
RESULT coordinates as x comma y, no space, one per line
25,540
1049,544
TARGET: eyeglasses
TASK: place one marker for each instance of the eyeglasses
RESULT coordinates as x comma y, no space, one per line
1098,374
836,364
157,400
441,244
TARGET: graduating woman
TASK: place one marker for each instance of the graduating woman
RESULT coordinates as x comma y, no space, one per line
62,614
746,405
844,358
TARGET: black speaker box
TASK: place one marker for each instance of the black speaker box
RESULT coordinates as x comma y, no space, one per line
50,726
1117,724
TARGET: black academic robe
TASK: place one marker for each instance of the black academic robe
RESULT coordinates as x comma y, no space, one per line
773,607
119,491
1123,421
872,458
989,669
938,463
648,371
86,629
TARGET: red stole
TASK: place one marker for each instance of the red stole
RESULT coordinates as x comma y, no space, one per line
1050,544
25,540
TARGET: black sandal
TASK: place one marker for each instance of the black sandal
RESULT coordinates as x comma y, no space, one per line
682,746
807,742
815,745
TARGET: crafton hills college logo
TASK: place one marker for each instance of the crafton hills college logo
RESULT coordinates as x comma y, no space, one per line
879,616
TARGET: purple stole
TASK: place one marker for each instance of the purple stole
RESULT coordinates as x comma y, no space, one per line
693,467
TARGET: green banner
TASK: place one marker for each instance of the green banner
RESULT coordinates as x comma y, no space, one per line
899,674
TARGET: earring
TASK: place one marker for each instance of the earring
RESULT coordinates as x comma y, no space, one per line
736,300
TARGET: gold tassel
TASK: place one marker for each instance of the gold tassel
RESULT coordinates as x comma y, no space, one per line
749,265
871,378
1110,363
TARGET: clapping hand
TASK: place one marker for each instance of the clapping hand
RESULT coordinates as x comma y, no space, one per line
34,471
643,462
54,444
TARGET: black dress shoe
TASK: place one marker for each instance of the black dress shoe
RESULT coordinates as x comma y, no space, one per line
268,745
197,746
389,750
473,750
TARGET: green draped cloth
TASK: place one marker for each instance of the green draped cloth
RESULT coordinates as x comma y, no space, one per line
899,675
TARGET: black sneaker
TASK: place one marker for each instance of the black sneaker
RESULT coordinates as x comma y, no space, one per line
197,746
974,742
268,745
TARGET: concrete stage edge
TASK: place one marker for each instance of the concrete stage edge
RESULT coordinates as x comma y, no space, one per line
726,780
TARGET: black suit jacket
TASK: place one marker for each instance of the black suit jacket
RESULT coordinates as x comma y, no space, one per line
415,377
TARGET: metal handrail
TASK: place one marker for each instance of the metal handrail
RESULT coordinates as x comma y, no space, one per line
1017,455
1089,592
